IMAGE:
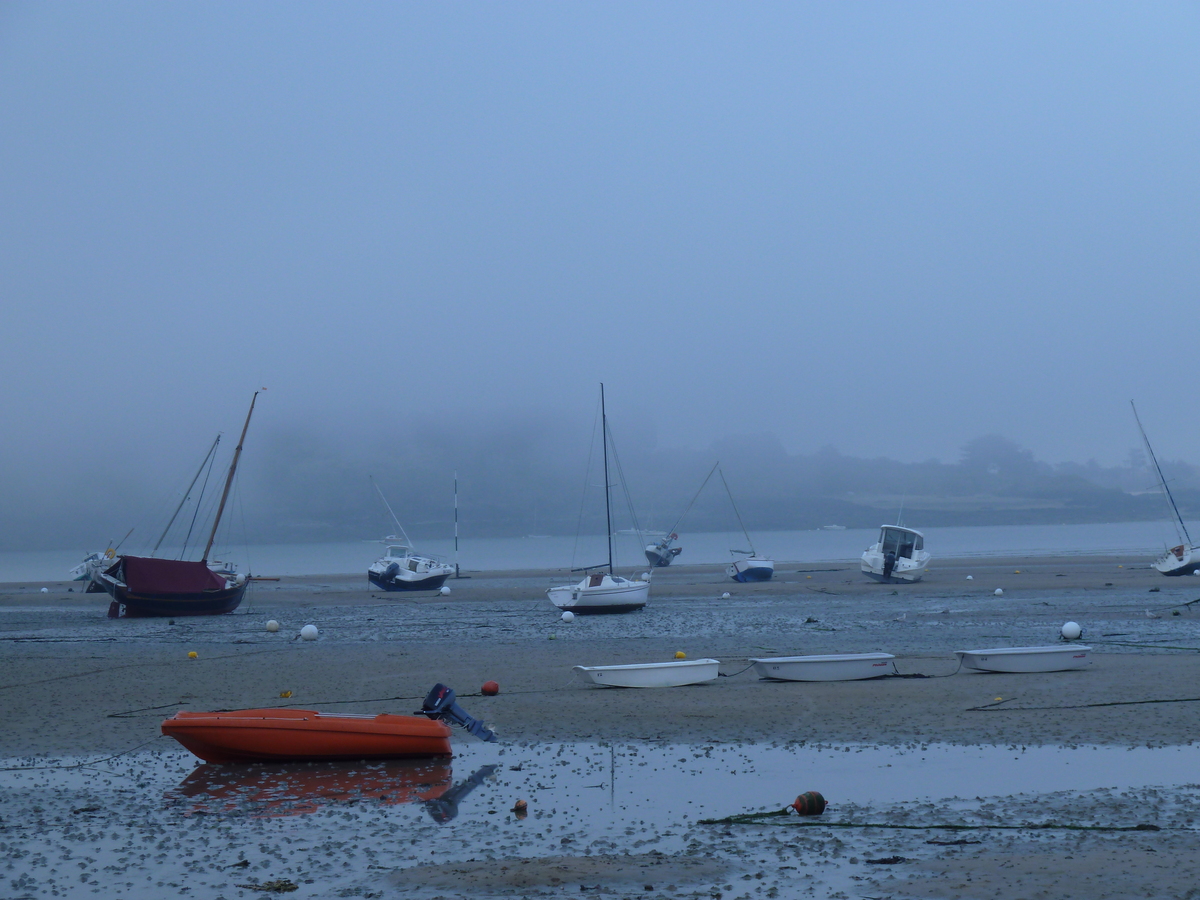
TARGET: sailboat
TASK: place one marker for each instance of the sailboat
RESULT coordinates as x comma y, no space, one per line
747,565
661,553
604,591
1184,557
152,586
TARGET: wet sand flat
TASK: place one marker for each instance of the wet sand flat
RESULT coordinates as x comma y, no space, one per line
107,680
76,683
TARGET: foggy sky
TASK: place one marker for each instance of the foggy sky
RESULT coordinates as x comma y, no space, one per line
885,228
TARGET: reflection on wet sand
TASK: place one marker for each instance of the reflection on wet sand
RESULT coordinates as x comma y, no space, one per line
292,789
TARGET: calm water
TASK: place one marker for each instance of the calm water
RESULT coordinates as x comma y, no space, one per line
542,552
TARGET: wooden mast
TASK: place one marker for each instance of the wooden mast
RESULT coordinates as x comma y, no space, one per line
229,480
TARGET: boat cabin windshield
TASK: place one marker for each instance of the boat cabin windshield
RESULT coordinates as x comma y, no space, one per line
900,541
397,552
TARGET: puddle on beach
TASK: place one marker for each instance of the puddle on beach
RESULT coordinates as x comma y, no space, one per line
141,825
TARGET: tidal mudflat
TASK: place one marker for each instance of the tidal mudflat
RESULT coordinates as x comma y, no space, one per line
1075,784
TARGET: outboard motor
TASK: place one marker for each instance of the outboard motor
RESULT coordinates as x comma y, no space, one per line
889,563
390,571
439,704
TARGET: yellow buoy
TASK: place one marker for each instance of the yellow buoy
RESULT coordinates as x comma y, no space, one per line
285,694
192,654
679,654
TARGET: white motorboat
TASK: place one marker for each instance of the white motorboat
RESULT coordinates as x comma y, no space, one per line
898,556
1184,557
652,675
603,592
831,667
399,569
1055,658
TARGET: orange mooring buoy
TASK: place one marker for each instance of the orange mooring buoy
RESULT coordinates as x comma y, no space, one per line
810,803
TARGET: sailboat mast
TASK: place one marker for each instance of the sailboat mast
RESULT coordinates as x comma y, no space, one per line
186,493
229,479
456,524
607,505
1162,481
721,472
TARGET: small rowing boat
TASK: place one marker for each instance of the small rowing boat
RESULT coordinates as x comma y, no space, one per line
1025,659
299,735
651,675
831,667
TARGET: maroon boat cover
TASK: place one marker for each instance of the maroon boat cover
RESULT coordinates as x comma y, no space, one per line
146,575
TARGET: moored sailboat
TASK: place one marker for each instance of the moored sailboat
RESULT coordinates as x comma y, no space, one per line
152,586
747,564
602,592
1184,557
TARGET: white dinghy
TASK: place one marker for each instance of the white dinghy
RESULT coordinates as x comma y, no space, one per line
652,675
1025,659
831,667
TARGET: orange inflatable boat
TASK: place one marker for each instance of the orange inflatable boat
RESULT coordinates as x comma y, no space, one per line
282,735
276,735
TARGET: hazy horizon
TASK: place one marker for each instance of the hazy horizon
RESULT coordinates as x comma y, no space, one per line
885,229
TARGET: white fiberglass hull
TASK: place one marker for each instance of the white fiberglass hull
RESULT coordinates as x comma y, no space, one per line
1026,659
833,667
1181,560
652,675
905,570
611,594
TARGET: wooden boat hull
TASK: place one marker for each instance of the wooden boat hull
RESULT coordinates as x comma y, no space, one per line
298,735
1025,659
832,667
651,675
204,603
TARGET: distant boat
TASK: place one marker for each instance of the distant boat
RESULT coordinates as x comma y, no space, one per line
661,554
399,569
749,566
151,586
602,592
833,527
898,556
1184,557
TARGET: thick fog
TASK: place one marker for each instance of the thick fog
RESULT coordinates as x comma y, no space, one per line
805,239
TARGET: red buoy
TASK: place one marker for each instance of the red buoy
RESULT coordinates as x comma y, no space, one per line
810,803
490,689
